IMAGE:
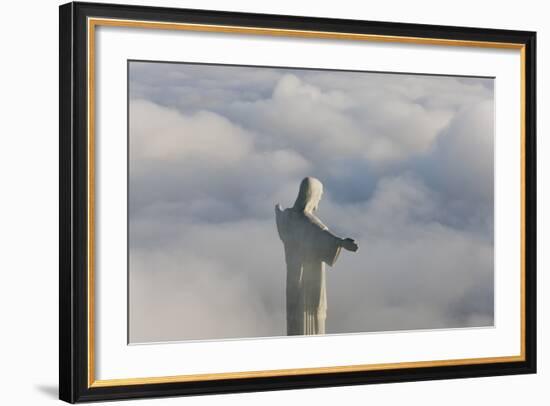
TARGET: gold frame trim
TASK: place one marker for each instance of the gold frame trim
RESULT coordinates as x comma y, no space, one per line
94,22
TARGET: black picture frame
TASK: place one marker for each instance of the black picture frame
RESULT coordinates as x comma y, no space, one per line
74,385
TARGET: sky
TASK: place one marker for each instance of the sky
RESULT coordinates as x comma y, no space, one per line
407,167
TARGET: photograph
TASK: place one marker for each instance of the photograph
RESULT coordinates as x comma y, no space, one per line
247,203
255,201
268,201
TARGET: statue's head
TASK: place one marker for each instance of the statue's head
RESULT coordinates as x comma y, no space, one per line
309,195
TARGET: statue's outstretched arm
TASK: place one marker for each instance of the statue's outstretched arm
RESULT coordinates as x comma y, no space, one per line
347,243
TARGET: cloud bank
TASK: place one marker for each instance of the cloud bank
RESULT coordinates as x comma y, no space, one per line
407,164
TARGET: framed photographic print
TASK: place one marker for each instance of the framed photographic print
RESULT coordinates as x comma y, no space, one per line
256,202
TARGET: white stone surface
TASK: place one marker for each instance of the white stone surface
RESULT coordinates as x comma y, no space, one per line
309,245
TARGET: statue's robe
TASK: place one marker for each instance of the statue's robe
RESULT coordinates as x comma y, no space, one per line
308,246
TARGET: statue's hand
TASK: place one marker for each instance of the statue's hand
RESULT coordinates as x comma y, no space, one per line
278,207
350,244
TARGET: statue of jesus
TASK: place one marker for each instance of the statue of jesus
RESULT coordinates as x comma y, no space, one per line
308,245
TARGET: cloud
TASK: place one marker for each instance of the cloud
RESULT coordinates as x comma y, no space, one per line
201,165
228,280
411,271
324,124
406,161
195,86
208,281
160,133
381,117
465,151
461,167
